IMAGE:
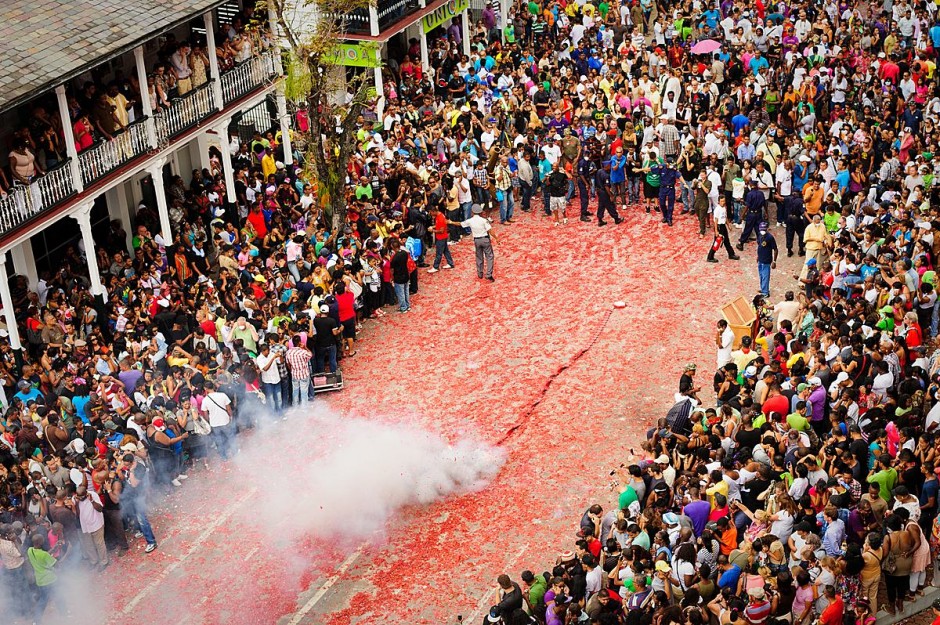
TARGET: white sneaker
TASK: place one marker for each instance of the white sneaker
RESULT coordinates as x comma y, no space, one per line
739,226
565,221
448,266
176,483
150,547
182,476
432,270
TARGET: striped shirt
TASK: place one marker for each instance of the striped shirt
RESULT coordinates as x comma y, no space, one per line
298,359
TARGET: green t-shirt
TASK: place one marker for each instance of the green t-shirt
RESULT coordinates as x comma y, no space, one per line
886,324
652,178
885,479
43,564
537,591
534,8
832,221
798,422
627,497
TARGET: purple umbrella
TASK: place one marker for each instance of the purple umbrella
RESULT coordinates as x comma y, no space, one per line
705,46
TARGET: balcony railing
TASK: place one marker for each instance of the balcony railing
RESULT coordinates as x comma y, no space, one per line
185,113
357,21
249,75
24,202
104,157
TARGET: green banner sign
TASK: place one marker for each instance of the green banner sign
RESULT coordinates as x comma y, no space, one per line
359,54
447,11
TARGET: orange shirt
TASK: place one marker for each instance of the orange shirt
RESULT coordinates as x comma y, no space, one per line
813,199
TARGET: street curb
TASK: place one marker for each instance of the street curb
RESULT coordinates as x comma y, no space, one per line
911,609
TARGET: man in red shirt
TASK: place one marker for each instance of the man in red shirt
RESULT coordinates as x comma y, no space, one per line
441,249
936,612
833,613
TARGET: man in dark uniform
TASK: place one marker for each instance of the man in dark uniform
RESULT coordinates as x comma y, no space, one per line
586,171
605,201
766,257
754,204
794,219
668,176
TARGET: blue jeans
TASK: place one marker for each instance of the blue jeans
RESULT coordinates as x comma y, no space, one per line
633,190
223,435
763,270
326,355
465,210
300,390
687,196
505,206
401,290
442,250
526,190
138,512
273,394
570,191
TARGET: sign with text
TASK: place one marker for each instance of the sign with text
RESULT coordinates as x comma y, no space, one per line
448,10
359,54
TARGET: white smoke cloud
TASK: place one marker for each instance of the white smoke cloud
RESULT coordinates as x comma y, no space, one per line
334,475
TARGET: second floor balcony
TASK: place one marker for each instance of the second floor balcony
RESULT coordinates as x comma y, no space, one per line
359,22
24,199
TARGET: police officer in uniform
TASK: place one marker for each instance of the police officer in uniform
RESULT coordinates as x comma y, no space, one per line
766,257
754,204
795,220
483,240
586,171
668,176
605,200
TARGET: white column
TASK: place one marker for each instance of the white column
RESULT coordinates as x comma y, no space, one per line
228,170
146,109
156,174
423,40
120,210
202,147
373,20
69,139
7,300
379,92
465,31
24,264
284,120
213,61
502,18
83,217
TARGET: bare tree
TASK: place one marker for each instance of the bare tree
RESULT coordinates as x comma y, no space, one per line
310,31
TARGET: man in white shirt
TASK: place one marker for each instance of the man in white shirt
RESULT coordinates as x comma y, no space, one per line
91,519
270,376
180,62
218,410
724,339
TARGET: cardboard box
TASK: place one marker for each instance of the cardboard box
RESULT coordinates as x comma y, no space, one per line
740,317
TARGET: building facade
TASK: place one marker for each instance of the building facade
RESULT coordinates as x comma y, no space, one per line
89,181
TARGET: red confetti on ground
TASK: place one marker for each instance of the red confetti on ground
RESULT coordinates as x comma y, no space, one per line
473,358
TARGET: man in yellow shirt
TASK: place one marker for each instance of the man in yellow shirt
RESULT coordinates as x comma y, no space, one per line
816,239
718,486
268,164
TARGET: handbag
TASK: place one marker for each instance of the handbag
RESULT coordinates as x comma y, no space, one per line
201,427
890,564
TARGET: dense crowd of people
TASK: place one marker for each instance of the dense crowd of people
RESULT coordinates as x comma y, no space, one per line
807,482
